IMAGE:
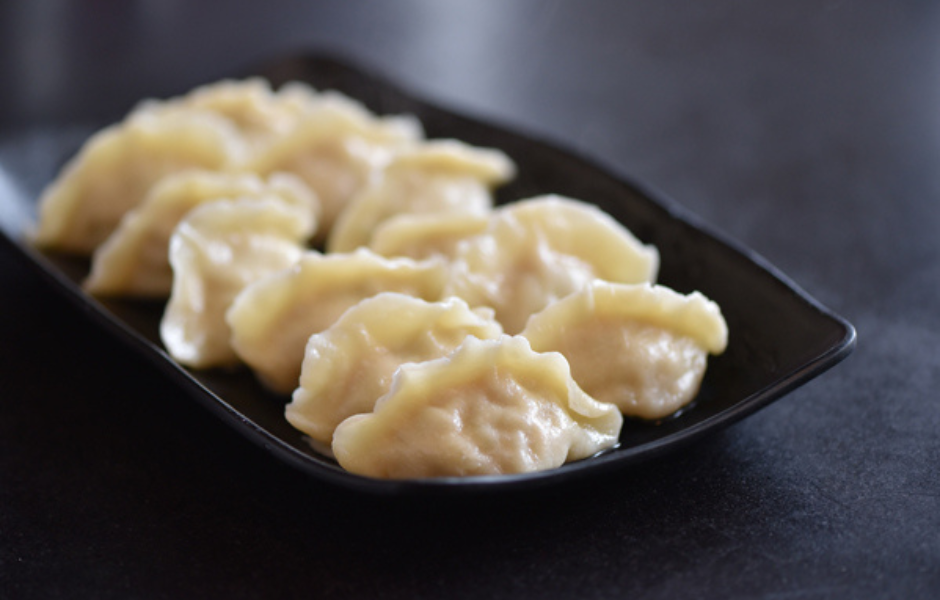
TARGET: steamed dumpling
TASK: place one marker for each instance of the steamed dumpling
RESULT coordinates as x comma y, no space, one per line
116,168
641,347
260,114
273,318
536,251
133,260
348,366
442,176
426,236
217,250
337,148
491,407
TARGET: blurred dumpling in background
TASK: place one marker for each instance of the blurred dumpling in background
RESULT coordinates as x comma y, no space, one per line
116,167
337,148
642,347
217,250
134,261
440,176
259,113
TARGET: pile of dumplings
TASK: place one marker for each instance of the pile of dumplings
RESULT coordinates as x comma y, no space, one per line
363,269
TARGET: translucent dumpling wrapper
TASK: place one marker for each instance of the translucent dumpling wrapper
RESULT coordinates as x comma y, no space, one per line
441,176
491,407
133,261
426,236
350,365
337,148
258,112
273,318
641,347
539,250
117,166
217,250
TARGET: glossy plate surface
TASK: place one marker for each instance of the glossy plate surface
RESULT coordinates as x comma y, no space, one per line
779,336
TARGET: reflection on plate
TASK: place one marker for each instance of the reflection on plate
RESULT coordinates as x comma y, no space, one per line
779,336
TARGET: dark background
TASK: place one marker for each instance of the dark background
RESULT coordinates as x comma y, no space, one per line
808,130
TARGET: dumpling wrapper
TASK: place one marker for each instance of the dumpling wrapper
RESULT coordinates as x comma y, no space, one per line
134,261
539,250
217,250
260,114
426,236
348,366
440,176
273,318
116,167
492,407
641,347
337,148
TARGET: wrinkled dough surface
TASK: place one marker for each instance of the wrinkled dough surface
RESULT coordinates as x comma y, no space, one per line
337,148
441,176
539,250
643,348
273,318
350,365
492,407
259,113
426,236
117,166
134,259
217,250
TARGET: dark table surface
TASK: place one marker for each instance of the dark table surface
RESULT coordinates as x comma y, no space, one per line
807,130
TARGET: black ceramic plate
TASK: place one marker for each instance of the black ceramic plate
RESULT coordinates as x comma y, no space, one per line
779,336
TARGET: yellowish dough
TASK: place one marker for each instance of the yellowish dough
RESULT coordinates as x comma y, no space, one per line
641,347
217,250
116,167
426,236
260,114
350,365
441,176
539,250
273,318
492,407
133,261
435,336
337,148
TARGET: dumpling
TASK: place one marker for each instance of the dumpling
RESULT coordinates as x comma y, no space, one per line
492,407
133,260
273,318
217,250
426,236
260,114
348,366
538,250
641,347
337,148
441,176
116,167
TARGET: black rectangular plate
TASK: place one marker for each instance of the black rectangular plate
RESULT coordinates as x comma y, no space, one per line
779,336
